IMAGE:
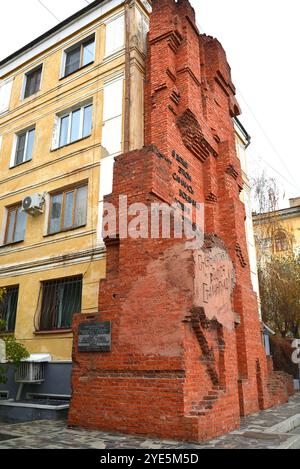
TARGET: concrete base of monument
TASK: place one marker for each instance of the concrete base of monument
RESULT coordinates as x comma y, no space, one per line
57,381
32,410
46,401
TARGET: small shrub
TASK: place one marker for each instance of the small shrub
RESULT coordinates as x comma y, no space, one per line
2,325
15,352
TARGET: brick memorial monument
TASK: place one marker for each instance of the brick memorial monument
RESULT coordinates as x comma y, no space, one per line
182,354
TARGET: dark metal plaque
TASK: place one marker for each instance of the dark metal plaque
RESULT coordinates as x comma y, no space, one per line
94,337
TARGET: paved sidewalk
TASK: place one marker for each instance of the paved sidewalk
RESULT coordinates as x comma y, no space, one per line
253,434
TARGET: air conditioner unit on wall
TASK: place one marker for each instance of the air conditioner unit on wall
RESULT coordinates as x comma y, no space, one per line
31,373
33,204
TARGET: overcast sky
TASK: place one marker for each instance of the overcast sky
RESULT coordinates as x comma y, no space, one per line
262,41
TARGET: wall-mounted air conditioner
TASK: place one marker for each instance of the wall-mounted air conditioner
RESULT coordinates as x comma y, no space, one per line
31,371
33,204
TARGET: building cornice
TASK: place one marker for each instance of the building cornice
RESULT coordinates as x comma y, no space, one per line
286,213
46,182
36,265
57,34
61,31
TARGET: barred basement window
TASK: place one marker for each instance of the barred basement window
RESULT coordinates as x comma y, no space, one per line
60,300
8,307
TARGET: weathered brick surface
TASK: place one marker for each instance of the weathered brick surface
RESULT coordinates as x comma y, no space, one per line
174,370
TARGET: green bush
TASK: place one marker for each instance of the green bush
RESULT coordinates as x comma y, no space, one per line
2,293
15,352
2,325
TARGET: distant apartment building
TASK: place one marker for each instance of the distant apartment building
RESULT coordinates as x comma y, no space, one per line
70,101
278,232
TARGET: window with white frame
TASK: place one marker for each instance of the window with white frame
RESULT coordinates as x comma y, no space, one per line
78,56
24,146
32,82
112,118
5,94
74,125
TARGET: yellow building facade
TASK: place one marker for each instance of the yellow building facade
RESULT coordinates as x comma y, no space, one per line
278,232
69,103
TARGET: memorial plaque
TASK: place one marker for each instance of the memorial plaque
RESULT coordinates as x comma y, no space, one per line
94,337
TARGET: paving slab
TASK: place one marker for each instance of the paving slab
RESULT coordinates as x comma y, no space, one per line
255,433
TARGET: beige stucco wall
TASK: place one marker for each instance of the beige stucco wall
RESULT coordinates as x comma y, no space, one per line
58,344
42,257
267,225
292,226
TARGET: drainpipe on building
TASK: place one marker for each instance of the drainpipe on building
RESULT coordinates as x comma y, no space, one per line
127,79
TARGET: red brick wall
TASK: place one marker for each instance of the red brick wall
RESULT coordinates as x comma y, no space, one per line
174,371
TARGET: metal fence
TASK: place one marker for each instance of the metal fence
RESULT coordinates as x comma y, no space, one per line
59,300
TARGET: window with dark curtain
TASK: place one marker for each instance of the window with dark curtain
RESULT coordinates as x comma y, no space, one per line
33,82
72,60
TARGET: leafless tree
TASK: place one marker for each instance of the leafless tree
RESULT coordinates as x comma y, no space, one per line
278,264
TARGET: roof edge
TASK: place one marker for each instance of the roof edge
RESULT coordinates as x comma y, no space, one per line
51,31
